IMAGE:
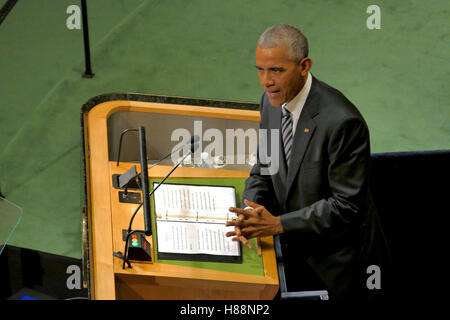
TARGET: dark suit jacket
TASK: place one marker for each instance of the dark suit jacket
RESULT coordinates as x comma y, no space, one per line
323,197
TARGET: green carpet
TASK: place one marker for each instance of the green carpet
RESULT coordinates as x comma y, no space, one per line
397,76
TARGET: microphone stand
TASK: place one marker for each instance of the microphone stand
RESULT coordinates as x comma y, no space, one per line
129,231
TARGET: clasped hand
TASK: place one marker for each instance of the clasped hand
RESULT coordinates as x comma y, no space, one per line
254,222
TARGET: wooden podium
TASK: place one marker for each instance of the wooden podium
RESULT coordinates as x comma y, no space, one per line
105,217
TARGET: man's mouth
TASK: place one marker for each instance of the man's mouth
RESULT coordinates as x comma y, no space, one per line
273,93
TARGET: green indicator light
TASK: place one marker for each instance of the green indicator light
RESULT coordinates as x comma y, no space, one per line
134,244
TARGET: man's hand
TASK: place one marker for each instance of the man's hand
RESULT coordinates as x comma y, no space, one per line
237,231
257,222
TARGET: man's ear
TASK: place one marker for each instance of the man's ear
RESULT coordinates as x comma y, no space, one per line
305,64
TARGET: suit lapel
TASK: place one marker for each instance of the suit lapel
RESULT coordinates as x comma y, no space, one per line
303,134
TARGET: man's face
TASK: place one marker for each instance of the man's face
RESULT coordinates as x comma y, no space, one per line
281,77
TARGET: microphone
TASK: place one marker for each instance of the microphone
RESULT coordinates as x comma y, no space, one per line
120,141
194,146
193,141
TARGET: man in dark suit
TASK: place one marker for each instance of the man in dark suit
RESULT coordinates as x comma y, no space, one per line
318,200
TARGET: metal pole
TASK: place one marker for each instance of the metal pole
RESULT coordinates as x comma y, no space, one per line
87,55
4,11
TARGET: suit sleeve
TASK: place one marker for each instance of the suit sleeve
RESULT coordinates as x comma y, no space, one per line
258,187
348,171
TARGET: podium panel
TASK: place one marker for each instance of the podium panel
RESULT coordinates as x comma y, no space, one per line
105,216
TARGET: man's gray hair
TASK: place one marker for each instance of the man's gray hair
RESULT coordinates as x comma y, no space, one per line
284,34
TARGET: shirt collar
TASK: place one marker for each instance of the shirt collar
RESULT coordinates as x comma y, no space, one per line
296,105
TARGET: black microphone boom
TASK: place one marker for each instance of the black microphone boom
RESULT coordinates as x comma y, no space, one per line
192,142
144,182
194,146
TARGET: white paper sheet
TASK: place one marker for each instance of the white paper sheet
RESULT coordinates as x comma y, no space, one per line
191,219
195,238
194,203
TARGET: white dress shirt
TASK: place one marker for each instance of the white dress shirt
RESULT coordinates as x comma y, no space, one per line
295,106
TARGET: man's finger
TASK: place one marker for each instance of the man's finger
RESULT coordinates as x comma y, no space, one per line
237,236
237,232
231,223
235,223
251,204
230,233
249,232
240,211
243,240
259,210
236,210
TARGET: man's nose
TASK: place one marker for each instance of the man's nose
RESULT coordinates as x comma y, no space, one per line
267,80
